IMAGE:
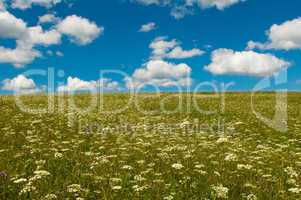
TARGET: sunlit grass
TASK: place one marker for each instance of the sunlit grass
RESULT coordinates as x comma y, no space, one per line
144,153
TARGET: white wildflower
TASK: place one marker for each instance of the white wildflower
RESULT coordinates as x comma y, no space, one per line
220,191
199,166
74,188
222,140
291,172
170,197
27,189
117,187
294,190
177,166
21,180
244,167
127,167
251,197
58,155
231,157
42,173
50,197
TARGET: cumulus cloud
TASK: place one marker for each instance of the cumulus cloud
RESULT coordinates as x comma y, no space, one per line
49,18
37,36
81,30
181,8
161,48
148,27
179,12
227,61
26,39
219,4
15,28
19,56
25,4
11,27
161,73
76,84
285,36
179,53
19,83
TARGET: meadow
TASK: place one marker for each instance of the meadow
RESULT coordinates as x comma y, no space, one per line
157,147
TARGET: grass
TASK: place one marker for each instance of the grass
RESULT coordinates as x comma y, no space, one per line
145,153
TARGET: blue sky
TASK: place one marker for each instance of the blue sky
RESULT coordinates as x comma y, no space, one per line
121,46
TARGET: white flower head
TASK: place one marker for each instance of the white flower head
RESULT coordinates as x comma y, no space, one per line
177,166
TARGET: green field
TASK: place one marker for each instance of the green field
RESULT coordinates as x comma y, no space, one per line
145,153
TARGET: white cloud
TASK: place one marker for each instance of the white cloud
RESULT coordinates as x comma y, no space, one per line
171,50
179,12
285,36
48,18
37,36
19,56
81,30
59,54
14,28
152,2
161,73
11,27
26,39
179,53
19,83
25,4
24,53
56,53
76,84
148,27
219,4
181,8
227,61
160,46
